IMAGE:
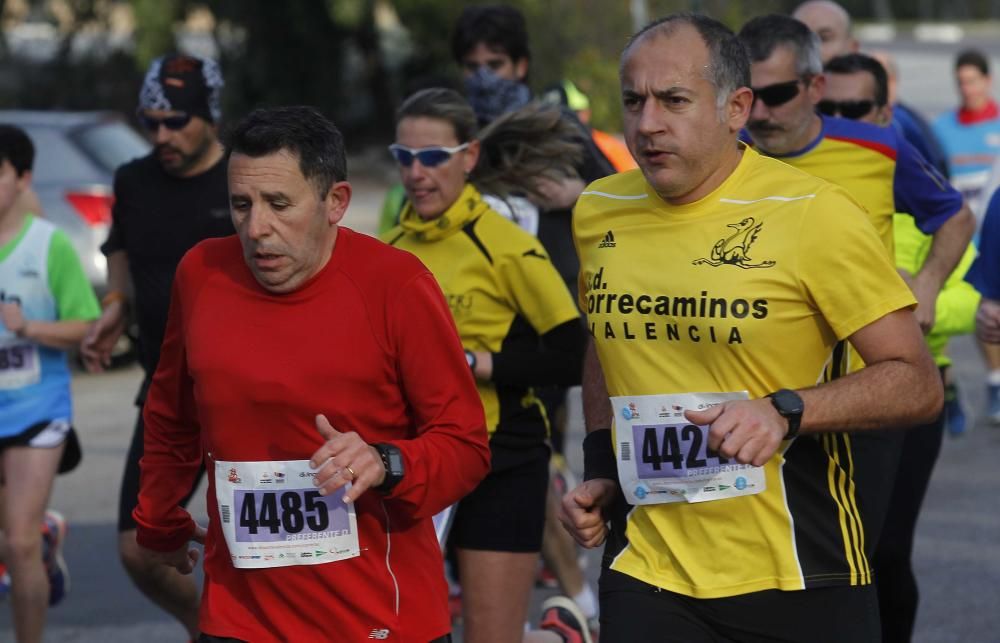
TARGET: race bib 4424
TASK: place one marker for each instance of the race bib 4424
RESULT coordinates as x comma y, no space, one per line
664,458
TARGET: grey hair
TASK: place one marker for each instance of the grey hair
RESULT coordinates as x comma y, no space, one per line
728,67
762,35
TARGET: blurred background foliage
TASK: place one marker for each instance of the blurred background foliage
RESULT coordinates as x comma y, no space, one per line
354,59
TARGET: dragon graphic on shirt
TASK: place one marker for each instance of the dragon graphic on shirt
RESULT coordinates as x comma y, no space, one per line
734,250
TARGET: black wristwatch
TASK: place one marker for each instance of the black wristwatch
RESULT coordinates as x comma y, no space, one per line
790,406
470,357
392,460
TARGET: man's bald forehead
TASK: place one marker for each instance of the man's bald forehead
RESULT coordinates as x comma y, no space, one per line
659,29
831,10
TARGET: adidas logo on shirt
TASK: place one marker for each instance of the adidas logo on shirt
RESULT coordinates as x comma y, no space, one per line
608,241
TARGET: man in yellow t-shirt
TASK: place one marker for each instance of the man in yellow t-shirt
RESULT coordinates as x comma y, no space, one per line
721,287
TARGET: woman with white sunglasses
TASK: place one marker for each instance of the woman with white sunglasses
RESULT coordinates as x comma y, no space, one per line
516,318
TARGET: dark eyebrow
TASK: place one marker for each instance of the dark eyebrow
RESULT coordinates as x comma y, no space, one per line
663,94
275,196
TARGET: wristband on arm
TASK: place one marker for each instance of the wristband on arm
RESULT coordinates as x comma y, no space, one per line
599,456
113,296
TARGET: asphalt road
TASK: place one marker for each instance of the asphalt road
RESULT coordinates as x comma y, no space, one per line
957,546
957,549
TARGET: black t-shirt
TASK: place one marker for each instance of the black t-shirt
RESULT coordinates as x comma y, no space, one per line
156,219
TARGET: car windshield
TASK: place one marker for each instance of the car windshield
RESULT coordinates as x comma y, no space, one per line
85,155
111,144
58,161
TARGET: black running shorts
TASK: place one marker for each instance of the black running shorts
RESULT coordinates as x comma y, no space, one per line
634,611
506,512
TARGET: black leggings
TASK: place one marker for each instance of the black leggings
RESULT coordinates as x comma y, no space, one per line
894,578
636,612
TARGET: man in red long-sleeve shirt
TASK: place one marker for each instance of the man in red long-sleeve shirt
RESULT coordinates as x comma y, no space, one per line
299,357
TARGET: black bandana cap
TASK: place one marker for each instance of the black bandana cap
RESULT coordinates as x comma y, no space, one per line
181,83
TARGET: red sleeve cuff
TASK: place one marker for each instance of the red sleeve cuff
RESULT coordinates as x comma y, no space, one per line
163,540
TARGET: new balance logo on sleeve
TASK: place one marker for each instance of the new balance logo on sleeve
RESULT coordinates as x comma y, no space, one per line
608,241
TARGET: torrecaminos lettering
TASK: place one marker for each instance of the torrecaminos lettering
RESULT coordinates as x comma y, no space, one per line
663,305
601,300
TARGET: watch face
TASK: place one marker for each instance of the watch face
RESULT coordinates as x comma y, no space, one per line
788,402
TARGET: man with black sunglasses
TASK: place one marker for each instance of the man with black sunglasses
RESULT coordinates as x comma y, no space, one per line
859,82
832,24
876,165
165,203
886,175
857,88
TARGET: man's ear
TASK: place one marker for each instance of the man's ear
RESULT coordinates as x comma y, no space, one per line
338,197
738,108
816,88
521,69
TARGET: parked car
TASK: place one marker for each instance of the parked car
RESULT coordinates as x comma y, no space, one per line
76,155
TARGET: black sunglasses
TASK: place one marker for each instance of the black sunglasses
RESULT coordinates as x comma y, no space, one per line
852,109
173,123
428,156
778,93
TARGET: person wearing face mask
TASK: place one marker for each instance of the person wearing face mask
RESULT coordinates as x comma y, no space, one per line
518,324
490,45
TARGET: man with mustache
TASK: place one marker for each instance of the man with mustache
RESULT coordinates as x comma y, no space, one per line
878,168
713,389
858,86
165,203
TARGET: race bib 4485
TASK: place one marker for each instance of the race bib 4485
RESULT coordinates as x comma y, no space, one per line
273,516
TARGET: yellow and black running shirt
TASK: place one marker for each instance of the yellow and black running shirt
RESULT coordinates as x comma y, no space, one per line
750,288
503,292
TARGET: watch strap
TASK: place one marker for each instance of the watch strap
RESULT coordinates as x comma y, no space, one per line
392,461
780,400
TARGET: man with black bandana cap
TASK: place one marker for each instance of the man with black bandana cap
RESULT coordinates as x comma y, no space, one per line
165,203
